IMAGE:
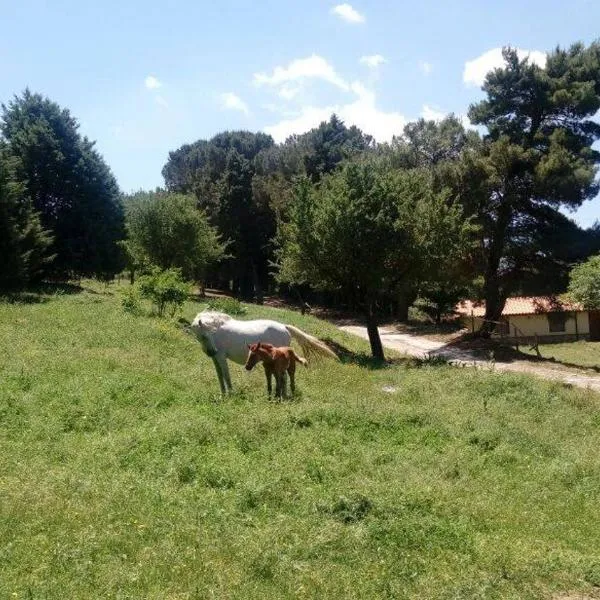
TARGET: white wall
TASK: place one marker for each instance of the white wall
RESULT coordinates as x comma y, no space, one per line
530,325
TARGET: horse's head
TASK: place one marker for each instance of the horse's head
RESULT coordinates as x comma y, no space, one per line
204,326
256,353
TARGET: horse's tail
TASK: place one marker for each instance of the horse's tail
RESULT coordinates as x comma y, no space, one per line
310,345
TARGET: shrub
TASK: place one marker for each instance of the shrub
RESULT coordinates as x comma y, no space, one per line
165,289
130,300
229,306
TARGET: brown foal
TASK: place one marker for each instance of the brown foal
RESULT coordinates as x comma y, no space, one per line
276,362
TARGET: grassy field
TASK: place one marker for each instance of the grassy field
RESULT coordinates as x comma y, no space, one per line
124,475
573,354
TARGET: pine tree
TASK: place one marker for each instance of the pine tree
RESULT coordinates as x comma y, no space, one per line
69,183
538,158
23,243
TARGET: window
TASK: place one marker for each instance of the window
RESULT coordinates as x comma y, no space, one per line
556,322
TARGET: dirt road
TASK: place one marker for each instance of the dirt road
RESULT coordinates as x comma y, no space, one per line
423,348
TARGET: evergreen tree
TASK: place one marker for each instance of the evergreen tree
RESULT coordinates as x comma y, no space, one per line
23,242
70,185
538,157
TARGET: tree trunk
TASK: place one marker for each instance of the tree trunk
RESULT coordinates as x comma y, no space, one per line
258,293
405,300
495,298
373,331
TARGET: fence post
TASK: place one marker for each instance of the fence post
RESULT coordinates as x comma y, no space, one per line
472,322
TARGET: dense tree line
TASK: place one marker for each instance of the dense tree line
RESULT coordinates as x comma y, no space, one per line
531,157
61,206
439,213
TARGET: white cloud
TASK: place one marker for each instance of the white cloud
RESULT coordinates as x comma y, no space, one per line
432,114
372,61
288,93
476,69
300,69
425,67
232,101
348,13
152,83
362,112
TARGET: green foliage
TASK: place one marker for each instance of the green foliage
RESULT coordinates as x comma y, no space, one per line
165,289
244,183
24,245
121,476
584,284
131,300
167,230
220,173
368,230
537,157
229,306
70,185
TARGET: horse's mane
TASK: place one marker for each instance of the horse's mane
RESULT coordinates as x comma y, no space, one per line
211,320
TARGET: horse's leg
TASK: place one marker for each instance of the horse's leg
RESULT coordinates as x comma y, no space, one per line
278,385
226,376
219,374
268,374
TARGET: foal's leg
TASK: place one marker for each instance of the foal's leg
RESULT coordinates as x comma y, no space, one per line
269,374
278,385
283,383
292,373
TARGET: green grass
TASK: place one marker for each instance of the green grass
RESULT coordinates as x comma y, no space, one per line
124,475
572,354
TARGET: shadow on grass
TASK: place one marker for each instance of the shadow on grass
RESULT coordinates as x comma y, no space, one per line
362,359
42,292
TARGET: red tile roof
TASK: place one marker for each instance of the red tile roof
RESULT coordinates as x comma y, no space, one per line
521,306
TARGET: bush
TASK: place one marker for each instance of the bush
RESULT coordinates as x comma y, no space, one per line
229,306
165,289
130,301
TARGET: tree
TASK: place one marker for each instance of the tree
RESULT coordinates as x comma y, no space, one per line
23,242
538,157
220,173
584,284
443,149
70,185
167,230
365,230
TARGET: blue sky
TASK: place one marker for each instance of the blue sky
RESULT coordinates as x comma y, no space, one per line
144,77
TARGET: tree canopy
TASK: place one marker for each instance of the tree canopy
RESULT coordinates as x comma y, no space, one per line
69,184
23,242
538,157
366,230
584,284
166,230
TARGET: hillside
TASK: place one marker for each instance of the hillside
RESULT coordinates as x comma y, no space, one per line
125,475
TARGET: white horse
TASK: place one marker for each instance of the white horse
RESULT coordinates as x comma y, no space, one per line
223,337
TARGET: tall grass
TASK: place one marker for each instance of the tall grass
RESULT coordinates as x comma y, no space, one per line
123,474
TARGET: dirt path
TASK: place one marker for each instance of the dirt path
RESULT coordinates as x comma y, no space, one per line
424,348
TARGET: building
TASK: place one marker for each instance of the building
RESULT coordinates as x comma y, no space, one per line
546,318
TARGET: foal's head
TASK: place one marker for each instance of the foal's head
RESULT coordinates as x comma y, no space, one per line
257,353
